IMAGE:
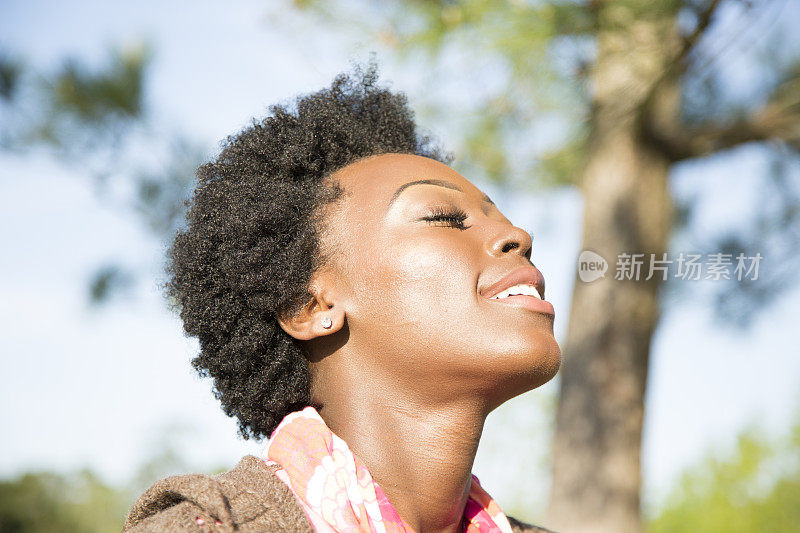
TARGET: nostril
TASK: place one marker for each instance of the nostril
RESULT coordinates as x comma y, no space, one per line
510,246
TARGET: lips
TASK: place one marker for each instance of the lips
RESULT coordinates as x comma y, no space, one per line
527,275
524,275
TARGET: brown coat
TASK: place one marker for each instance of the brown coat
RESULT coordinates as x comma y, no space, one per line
248,498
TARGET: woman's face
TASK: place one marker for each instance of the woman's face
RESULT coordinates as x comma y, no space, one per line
413,292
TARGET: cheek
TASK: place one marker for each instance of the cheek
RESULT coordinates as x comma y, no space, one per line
419,284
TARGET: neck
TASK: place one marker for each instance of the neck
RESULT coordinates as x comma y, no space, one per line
420,455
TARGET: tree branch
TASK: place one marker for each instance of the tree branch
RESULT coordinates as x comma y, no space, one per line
679,65
703,21
778,120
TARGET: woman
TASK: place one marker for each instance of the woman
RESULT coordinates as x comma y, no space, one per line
366,307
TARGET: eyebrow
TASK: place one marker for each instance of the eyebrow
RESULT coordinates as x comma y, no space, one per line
440,183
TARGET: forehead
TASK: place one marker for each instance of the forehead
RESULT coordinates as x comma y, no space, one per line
375,180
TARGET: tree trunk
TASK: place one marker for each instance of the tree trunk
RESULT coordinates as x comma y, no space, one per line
628,209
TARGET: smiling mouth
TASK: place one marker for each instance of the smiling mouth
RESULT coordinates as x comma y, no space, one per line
522,287
526,289
526,296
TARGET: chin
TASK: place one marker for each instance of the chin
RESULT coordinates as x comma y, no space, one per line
548,362
526,369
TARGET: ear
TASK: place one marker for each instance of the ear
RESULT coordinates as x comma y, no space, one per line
308,322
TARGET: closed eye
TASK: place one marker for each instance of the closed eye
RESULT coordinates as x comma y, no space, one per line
452,217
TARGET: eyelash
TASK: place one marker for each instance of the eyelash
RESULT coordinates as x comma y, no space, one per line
453,216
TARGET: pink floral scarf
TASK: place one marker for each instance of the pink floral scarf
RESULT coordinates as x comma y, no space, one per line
337,492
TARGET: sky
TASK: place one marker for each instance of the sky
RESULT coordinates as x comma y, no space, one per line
100,387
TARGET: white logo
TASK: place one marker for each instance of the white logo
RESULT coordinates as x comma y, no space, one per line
591,266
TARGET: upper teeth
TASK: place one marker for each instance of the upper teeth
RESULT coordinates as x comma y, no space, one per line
528,290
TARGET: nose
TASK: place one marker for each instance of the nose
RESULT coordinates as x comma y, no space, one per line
511,238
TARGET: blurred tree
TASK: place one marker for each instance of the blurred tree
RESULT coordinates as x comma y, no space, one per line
98,121
608,96
754,489
42,502
79,502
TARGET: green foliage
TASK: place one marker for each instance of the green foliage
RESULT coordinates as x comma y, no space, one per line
526,60
94,96
540,48
755,489
44,502
73,108
10,71
97,121
79,502
107,280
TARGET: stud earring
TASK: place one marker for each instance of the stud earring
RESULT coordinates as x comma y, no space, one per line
327,322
